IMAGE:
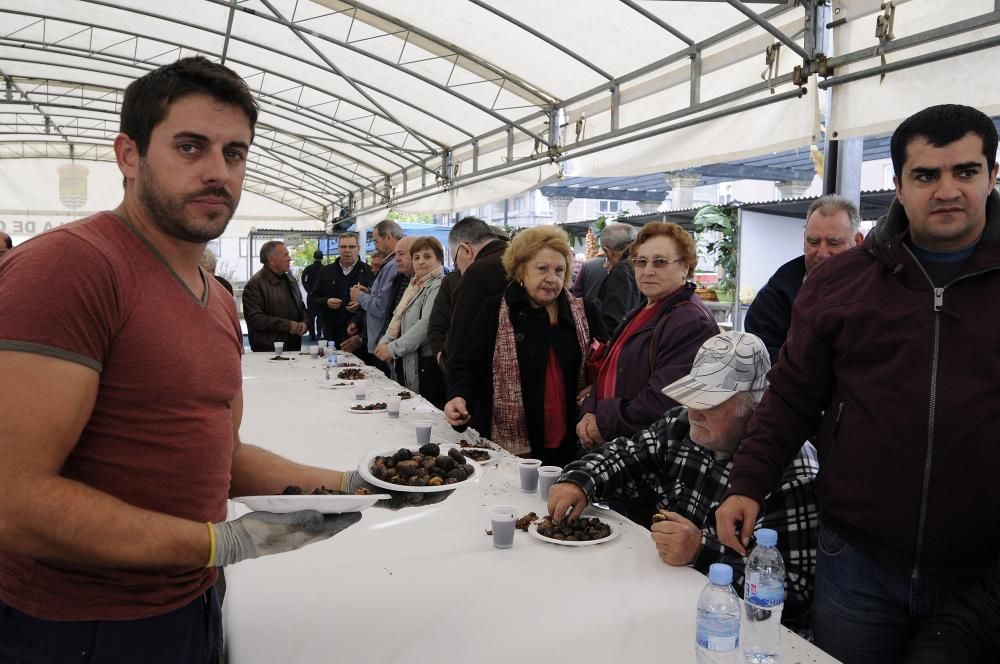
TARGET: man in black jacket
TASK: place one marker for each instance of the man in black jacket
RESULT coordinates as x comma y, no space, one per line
619,293
309,277
477,253
332,291
833,225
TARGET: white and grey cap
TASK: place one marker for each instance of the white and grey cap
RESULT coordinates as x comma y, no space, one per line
725,365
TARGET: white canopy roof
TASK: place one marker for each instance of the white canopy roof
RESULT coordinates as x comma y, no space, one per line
444,104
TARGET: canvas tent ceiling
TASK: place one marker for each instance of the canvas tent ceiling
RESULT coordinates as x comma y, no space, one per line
445,104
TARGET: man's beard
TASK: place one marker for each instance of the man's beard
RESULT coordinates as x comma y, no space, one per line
168,213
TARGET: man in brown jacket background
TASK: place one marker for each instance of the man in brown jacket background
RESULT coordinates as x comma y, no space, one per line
272,303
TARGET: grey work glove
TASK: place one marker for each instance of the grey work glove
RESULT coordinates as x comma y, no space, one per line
353,480
263,533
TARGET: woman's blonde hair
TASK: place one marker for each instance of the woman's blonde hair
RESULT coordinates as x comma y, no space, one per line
529,242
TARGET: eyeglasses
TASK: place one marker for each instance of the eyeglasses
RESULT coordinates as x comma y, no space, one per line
640,263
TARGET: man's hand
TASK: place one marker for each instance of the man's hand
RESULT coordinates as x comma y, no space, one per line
583,394
334,302
382,352
456,411
587,431
351,344
352,329
566,497
264,533
357,290
353,307
677,539
736,509
298,328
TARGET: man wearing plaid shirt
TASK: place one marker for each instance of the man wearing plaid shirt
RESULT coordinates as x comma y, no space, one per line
685,459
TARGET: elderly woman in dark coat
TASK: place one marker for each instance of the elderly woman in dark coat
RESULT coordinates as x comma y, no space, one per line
523,363
655,343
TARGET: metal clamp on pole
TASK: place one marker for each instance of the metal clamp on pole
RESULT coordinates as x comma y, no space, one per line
883,31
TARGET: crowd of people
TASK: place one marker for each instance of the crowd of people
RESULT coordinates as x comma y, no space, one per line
849,417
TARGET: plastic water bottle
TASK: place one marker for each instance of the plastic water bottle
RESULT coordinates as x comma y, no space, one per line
717,630
763,599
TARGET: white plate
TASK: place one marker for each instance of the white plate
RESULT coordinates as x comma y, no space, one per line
365,469
364,412
324,504
332,385
493,455
533,531
276,361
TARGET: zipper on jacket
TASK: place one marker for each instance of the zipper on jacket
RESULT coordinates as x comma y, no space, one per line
925,485
938,304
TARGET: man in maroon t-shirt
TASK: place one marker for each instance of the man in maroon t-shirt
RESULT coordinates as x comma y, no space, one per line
118,455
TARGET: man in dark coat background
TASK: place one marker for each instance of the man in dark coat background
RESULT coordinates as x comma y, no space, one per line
833,225
332,291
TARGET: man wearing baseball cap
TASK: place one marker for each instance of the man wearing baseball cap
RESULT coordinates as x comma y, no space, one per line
684,460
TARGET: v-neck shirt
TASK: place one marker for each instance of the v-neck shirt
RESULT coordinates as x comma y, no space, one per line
160,436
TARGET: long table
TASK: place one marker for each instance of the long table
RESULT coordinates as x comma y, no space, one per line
425,584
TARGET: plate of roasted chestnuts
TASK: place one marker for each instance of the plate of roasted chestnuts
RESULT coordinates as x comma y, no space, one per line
327,501
584,531
421,470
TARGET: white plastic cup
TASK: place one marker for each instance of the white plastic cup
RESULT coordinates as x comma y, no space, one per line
279,347
313,352
392,406
547,476
360,389
423,428
503,518
321,343
528,471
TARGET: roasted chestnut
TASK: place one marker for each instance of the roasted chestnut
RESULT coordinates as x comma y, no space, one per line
430,449
457,456
446,463
407,468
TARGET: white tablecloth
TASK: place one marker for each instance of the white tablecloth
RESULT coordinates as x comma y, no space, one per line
425,584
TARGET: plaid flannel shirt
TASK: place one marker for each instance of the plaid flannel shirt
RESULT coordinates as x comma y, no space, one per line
687,478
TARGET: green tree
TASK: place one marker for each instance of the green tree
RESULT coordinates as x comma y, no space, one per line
401,218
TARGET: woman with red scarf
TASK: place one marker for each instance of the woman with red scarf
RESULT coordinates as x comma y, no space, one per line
517,378
655,343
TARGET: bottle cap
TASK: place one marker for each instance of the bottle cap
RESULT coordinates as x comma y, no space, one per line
767,537
720,574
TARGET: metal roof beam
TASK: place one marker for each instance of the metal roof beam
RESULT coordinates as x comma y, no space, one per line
219,33
542,95
538,35
778,34
301,34
605,194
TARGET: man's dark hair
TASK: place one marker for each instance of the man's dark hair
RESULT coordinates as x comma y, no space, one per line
941,125
7,241
472,230
267,249
148,98
317,255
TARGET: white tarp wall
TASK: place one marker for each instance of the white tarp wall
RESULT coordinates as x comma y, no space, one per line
31,202
874,105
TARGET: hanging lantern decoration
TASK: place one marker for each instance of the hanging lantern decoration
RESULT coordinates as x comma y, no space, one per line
73,185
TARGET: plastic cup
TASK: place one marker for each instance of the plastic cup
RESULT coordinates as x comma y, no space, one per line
360,389
313,352
392,406
321,343
547,476
279,347
423,428
528,470
503,518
